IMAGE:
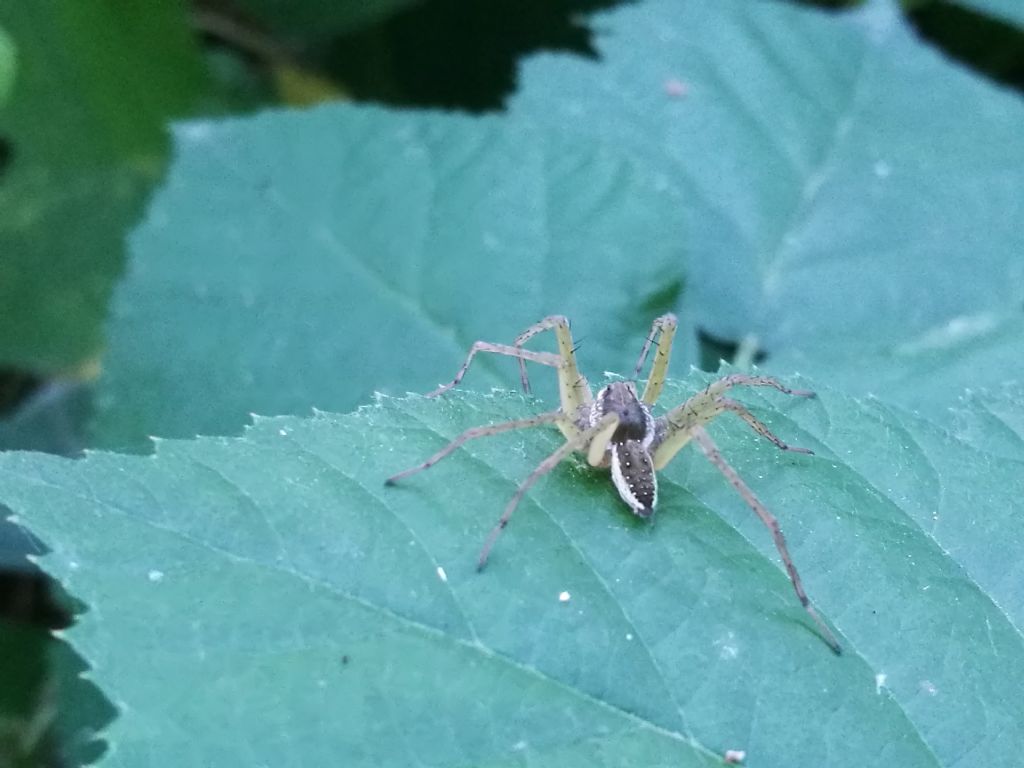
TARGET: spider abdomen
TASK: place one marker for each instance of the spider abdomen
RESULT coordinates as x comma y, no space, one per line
633,475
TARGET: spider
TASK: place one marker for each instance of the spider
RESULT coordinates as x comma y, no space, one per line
616,430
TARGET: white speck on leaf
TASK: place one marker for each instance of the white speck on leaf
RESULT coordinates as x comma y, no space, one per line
880,682
441,574
676,89
629,635
733,756
564,597
727,648
156,575
929,687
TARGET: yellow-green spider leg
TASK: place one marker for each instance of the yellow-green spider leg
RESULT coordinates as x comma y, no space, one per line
686,422
678,424
662,333
710,450
573,389
606,425
553,417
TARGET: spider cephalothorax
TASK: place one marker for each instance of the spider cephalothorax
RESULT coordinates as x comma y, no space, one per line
616,430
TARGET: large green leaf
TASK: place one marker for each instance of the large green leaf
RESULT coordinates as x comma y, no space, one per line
8,60
301,259
83,132
265,599
307,259
927,373
840,178
993,420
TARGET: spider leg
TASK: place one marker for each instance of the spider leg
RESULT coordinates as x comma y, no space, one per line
553,417
663,330
745,380
758,426
710,450
607,424
599,441
544,358
676,428
573,388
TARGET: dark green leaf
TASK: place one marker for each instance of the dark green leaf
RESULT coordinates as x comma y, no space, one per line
8,61
82,135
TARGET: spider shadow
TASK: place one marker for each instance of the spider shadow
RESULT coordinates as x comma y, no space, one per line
594,484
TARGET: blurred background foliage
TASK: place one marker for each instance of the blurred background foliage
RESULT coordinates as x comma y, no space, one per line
87,91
